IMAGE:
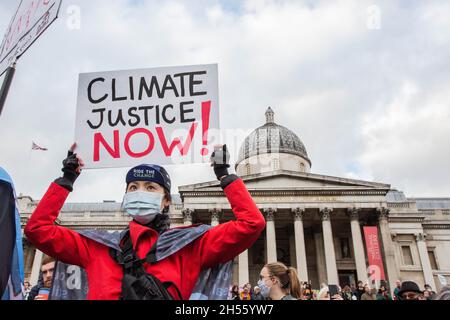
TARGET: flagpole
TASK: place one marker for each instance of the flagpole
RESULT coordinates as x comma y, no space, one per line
29,157
7,84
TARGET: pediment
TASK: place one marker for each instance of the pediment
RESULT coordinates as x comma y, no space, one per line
291,180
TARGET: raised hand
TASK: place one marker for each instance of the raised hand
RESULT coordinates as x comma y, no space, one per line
72,166
220,161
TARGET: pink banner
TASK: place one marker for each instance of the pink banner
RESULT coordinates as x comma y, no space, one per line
374,253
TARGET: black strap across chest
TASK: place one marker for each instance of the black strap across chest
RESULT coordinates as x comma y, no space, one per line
137,283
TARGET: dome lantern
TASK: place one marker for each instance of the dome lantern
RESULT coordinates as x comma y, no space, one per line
270,116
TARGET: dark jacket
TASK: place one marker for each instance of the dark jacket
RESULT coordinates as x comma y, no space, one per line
34,292
358,293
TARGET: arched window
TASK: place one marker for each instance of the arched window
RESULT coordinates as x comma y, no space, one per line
302,167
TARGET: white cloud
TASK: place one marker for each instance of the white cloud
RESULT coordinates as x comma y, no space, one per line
407,141
339,85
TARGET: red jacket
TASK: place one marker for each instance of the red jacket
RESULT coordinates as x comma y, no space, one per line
218,245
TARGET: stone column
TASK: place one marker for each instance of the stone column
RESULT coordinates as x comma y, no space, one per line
36,269
358,247
425,260
243,268
330,256
388,248
300,250
270,235
292,255
320,258
28,253
188,214
215,216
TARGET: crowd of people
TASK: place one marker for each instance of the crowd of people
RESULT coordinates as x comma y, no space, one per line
279,282
302,290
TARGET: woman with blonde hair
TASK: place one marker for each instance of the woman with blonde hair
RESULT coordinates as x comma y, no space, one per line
279,282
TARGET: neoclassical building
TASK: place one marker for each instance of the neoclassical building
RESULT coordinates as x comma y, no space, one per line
314,222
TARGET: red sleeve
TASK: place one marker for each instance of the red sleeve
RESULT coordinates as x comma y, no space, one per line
58,242
225,241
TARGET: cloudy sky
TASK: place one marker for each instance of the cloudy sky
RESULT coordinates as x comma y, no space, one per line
364,84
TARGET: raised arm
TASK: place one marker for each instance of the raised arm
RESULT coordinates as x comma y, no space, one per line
59,242
224,242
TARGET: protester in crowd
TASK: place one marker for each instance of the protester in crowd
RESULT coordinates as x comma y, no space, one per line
245,293
428,292
338,295
256,295
308,293
359,290
279,282
410,291
398,286
444,294
147,201
249,288
353,289
368,294
42,289
235,292
347,293
26,289
324,294
383,293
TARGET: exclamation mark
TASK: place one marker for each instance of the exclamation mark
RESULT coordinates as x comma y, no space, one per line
206,111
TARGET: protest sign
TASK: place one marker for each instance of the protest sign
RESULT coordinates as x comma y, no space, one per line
159,115
31,19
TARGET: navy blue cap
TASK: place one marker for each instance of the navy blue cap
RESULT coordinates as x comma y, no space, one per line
149,172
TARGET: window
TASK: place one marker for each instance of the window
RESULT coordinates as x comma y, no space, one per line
302,167
407,256
345,248
247,169
432,258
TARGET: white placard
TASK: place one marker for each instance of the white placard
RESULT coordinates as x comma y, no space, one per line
159,115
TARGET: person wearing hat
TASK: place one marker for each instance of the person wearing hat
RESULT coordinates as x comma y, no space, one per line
410,291
146,201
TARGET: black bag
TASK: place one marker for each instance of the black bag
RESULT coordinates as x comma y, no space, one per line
137,284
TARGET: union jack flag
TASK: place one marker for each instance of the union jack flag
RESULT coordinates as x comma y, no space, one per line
34,146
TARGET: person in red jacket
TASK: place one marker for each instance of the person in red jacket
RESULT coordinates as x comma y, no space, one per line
146,200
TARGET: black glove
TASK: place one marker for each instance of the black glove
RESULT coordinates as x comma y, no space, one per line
220,158
70,165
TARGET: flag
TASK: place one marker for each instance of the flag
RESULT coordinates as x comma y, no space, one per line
34,146
11,253
374,253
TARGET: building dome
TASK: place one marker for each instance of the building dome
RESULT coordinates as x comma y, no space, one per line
272,147
273,139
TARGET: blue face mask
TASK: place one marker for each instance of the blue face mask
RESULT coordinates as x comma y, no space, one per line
142,206
265,290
